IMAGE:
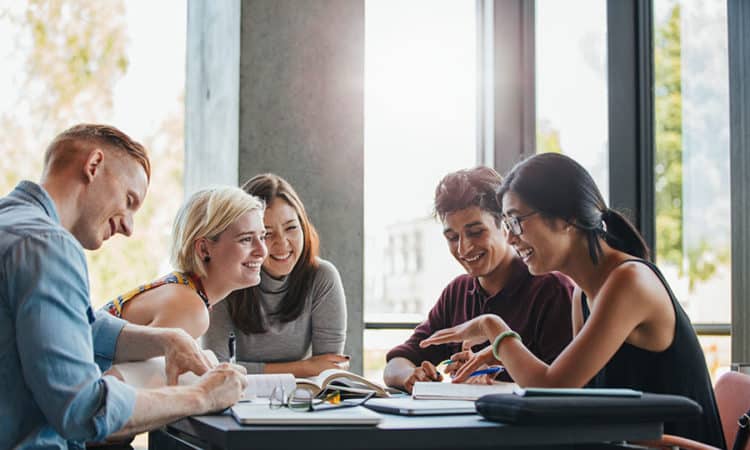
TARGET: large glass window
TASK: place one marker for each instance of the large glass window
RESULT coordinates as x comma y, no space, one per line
691,167
115,62
571,83
420,123
67,62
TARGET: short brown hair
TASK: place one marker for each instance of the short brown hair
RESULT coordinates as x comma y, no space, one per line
468,187
70,140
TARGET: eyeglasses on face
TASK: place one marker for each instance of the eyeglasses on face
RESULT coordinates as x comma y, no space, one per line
512,224
304,401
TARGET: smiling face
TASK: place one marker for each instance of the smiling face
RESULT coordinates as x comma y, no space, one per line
478,244
284,238
238,253
544,244
115,192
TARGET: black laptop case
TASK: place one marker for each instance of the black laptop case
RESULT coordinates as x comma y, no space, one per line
516,409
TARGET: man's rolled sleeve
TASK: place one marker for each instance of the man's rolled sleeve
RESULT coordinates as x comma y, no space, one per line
106,329
117,409
66,384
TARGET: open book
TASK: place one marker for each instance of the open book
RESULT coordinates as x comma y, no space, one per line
344,381
427,390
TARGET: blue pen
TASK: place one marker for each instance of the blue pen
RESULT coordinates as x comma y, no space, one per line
488,371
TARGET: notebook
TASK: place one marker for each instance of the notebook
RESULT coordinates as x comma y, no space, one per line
407,406
426,390
255,413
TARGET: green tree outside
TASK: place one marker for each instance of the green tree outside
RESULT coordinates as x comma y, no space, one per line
668,137
71,54
700,260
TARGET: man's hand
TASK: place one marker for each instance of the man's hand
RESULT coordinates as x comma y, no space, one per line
222,387
182,354
425,372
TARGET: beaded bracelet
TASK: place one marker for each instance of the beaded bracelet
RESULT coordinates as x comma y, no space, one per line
499,339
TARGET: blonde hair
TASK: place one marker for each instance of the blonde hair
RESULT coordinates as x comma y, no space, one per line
207,213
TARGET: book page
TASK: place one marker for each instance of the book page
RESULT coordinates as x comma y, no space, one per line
458,391
261,385
348,381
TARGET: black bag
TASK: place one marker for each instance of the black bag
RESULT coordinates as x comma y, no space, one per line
581,409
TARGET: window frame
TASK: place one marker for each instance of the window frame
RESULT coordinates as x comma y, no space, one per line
507,117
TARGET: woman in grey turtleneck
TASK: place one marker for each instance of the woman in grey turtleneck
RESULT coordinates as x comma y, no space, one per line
295,320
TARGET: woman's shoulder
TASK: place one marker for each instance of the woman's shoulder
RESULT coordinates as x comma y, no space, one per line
326,270
178,295
551,284
635,280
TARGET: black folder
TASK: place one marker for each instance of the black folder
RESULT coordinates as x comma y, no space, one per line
541,410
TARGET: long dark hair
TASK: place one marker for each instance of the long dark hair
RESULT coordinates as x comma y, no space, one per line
558,187
244,305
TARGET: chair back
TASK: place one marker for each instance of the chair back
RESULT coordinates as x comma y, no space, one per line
733,400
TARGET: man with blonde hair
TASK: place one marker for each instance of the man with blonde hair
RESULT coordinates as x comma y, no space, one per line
55,396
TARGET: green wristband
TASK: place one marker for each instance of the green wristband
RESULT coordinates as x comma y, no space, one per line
499,339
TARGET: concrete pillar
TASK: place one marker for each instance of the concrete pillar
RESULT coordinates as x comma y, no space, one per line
212,93
300,114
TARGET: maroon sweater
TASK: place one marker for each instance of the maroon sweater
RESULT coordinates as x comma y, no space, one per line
538,308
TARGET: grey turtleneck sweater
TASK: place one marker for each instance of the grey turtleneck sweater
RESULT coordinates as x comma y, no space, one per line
321,328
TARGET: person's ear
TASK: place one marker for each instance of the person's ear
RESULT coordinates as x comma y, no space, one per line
201,249
93,164
566,225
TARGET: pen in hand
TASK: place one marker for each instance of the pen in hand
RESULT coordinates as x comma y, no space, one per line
232,343
488,371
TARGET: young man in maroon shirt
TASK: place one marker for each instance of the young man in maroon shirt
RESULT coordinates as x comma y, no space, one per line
496,282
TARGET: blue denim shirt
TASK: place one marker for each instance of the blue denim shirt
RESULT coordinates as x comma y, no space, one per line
52,347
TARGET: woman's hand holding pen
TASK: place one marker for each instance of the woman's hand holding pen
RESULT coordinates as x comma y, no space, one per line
471,362
481,329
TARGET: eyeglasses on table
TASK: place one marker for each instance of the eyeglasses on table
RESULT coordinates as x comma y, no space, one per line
303,400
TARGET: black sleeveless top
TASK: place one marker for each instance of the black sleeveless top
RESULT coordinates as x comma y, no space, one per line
678,370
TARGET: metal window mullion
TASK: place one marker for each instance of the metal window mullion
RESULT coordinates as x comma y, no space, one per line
738,13
631,111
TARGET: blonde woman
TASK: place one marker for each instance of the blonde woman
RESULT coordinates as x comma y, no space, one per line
294,321
218,246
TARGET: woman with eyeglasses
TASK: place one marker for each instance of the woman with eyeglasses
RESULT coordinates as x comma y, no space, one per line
629,329
294,321
495,281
